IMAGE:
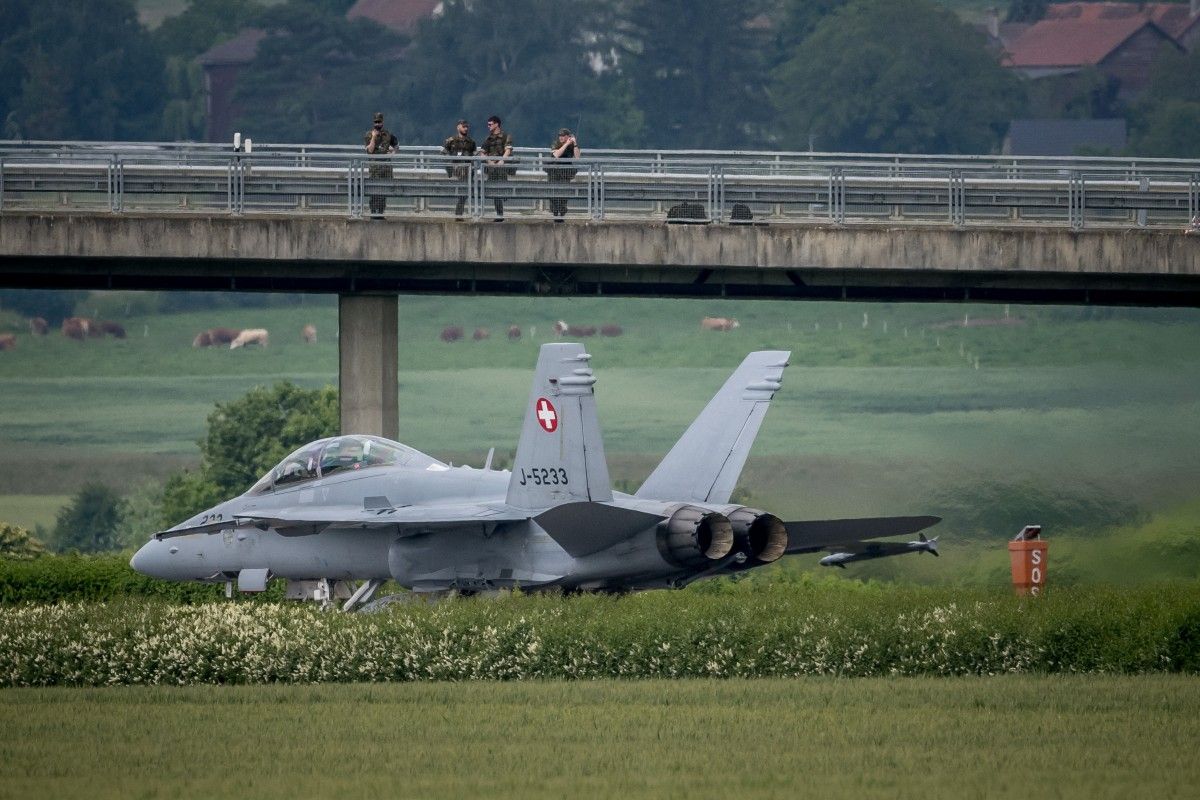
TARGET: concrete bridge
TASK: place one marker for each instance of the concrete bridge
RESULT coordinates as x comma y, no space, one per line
852,229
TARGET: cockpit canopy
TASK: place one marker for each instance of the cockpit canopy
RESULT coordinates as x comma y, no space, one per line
338,454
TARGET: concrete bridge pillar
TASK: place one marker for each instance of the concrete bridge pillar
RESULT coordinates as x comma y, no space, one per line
367,373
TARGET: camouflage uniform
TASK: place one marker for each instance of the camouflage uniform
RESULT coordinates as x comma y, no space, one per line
558,205
458,145
385,142
493,146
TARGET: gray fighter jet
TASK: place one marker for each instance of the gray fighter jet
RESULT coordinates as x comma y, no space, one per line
340,516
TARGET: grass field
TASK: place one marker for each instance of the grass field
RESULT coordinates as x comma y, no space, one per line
1068,737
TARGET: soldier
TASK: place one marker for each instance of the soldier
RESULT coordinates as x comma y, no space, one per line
379,141
498,146
564,147
460,145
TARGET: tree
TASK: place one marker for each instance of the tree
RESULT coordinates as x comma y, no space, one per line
180,39
798,19
140,515
203,24
880,76
537,65
1166,121
699,72
88,523
247,437
1026,10
18,544
71,71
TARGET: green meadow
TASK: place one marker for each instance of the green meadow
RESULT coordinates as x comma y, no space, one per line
1053,736
1086,420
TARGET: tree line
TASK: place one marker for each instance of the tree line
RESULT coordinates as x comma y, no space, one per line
833,75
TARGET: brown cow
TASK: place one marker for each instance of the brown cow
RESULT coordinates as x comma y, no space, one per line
77,328
611,330
514,333
309,334
561,328
258,336
452,333
718,323
113,329
203,339
38,326
224,335
7,341
481,334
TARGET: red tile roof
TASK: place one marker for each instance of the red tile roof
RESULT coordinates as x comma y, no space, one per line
1084,34
399,15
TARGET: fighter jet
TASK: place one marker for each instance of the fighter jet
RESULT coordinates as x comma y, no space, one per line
862,551
342,515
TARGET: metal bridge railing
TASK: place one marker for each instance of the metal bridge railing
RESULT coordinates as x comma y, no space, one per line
720,188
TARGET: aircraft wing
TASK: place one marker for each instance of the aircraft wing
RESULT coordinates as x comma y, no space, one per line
312,519
813,535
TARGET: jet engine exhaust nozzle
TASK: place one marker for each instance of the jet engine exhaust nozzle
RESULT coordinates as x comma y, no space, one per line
694,537
760,535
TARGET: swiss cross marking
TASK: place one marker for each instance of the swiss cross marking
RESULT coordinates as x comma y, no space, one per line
547,417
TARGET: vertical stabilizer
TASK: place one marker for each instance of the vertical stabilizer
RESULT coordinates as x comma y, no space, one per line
704,465
560,458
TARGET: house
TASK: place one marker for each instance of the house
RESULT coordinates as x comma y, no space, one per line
1120,40
224,62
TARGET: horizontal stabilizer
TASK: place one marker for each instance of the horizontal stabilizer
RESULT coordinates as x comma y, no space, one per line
585,528
813,535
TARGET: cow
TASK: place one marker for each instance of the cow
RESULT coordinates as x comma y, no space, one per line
452,333
514,333
719,324
480,334
224,335
309,334
249,336
203,339
611,330
38,326
7,341
77,328
562,328
113,329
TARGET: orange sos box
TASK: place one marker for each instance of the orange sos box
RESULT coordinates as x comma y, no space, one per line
1028,560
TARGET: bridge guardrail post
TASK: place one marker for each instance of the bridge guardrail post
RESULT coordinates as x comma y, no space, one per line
475,176
596,192
353,185
837,195
1143,187
1075,200
716,193
1193,196
113,183
236,194
958,198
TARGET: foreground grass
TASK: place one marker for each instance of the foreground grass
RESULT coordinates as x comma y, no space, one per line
721,630
1062,736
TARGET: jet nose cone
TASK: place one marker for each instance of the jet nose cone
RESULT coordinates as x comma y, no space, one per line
148,560
138,562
